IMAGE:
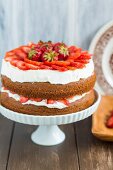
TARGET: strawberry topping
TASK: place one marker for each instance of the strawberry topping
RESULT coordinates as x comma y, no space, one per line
50,101
109,122
48,55
23,99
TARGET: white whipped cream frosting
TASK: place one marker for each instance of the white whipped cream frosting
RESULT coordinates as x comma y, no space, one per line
51,76
57,104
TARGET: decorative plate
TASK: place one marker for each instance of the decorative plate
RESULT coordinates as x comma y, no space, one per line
102,49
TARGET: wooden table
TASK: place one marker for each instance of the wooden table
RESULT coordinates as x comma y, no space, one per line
80,151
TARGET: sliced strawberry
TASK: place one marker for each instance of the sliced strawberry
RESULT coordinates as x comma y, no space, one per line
32,62
71,97
61,63
14,62
23,99
85,57
109,123
82,61
74,55
47,63
72,49
25,49
50,101
20,53
45,67
4,88
10,53
77,64
71,68
32,67
58,63
36,99
22,65
9,59
59,68
64,101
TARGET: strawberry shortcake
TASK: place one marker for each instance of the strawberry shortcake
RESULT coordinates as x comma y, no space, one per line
47,78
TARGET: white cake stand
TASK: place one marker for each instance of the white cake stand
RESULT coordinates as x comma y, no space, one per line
48,133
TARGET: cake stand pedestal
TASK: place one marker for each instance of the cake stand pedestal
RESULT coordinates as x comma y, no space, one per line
48,133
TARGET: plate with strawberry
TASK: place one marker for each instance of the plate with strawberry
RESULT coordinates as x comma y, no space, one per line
102,121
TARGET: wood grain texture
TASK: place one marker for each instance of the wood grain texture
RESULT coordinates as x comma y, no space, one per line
99,119
5,139
25,155
93,153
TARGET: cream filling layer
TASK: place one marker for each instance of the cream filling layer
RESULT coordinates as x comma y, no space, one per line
51,76
57,104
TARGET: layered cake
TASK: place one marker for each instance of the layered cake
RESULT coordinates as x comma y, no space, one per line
47,78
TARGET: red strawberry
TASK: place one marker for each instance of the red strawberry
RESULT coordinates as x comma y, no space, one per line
20,53
36,57
10,53
25,49
49,56
32,67
61,63
61,57
71,68
23,99
59,68
82,61
22,65
45,46
14,62
32,62
34,54
74,55
36,99
50,101
62,50
109,123
58,63
72,49
56,46
71,97
11,58
64,101
45,67
4,88
85,57
77,64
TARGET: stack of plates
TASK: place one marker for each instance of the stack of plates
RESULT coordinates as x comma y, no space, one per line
102,49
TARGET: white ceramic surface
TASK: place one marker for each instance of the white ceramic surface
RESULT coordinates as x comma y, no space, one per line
107,51
48,134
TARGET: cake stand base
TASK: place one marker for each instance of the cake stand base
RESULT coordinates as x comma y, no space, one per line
48,135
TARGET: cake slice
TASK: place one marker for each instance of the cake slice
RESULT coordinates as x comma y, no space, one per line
47,79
